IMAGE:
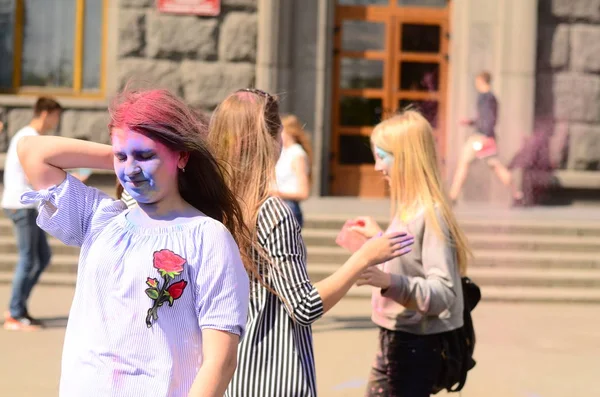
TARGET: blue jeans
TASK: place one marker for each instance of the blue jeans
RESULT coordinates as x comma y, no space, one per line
296,210
34,257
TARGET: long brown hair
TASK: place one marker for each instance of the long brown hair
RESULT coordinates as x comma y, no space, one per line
416,180
243,134
163,117
295,129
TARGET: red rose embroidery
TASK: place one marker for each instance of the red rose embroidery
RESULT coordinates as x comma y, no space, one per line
168,262
169,265
176,289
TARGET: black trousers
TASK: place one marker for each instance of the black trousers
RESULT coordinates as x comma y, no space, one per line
406,365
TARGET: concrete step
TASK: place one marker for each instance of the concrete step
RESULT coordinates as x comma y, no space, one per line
64,264
499,277
8,245
475,226
489,241
489,293
494,276
517,295
485,258
535,259
47,278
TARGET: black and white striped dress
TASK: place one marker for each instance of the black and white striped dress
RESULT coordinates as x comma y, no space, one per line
275,357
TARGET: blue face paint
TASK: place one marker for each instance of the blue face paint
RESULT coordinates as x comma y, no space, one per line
145,168
386,157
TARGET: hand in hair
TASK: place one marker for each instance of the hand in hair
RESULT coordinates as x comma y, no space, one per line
385,247
366,226
375,277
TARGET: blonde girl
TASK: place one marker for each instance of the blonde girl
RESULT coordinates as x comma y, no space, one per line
417,297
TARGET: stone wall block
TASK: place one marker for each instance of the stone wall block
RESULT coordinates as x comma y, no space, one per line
17,119
132,28
247,4
90,124
206,84
559,141
585,48
576,9
238,37
584,147
180,36
553,46
137,3
146,73
576,97
544,98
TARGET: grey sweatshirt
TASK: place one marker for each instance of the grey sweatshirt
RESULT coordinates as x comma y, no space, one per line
425,296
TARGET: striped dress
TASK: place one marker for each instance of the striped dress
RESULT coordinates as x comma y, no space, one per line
276,356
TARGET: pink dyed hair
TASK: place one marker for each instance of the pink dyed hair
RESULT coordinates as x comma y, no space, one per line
165,118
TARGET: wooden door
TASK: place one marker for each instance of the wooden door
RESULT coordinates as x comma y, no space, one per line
388,55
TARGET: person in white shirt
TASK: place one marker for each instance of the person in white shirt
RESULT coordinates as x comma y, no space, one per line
34,251
292,171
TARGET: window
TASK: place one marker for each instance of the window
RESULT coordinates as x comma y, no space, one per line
53,46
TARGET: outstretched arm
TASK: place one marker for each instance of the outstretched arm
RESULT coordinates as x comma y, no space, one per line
304,301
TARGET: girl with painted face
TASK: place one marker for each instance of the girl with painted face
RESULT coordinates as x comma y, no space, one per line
276,356
417,297
162,292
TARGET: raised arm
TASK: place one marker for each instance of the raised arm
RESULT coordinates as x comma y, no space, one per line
44,158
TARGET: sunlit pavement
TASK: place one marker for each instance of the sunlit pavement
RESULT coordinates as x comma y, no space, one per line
522,350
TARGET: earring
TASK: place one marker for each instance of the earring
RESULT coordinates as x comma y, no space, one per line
182,169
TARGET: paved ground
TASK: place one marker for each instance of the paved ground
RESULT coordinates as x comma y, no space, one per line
523,350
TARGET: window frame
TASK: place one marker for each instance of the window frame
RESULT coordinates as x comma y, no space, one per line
78,48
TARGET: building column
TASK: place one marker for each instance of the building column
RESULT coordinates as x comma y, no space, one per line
323,106
273,57
501,37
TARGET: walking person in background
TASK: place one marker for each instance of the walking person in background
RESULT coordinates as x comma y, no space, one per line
293,168
482,142
162,292
275,358
32,244
417,297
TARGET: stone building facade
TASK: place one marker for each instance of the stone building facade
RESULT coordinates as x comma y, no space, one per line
201,59
542,53
568,77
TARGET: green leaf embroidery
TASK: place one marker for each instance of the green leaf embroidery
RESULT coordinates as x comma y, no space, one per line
171,300
152,293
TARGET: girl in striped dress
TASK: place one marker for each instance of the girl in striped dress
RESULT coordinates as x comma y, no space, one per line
162,293
276,355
